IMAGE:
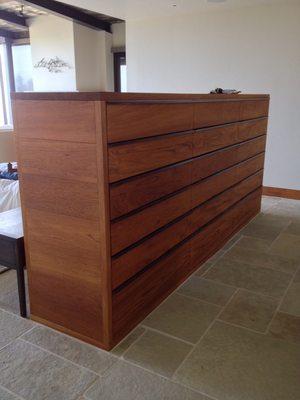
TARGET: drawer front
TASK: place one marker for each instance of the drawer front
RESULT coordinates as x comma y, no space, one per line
207,140
215,184
128,264
136,157
216,234
141,190
216,113
217,205
221,159
136,226
134,260
138,298
254,109
131,121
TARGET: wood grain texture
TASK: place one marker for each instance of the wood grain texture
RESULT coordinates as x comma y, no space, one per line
254,109
136,157
124,266
57,120
133,302
141,190
209,114
129,121
136,226
281,192
58,159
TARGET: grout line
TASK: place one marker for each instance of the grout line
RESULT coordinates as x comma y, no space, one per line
167,335
12,393
203,301
168,379
15,338
281,301
121,357
240,326
204,333
61,357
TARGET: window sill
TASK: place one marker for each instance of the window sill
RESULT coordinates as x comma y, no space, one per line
6,129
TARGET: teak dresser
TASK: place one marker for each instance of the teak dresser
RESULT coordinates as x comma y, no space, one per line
125,195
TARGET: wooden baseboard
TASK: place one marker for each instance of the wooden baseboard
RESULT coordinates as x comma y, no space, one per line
280,192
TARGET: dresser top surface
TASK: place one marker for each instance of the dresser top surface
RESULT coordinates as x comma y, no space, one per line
113,97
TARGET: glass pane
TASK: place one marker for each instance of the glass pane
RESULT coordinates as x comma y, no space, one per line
123,78
22,67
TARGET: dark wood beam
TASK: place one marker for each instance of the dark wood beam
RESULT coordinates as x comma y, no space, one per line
73,13
12,18
13,35
10,65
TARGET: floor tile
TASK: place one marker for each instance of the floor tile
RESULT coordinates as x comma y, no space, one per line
250,310
253,243
5,395
128,382
216,256
262,259
257,279
293,228
286,327
232,241
182,317
272,220
158,353
287,245
232,363
262,231
8,282
205,290
12,326
291,301
127,341
71,349
203,268
35,374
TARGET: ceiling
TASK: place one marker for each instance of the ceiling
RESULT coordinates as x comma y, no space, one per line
14,15
134,9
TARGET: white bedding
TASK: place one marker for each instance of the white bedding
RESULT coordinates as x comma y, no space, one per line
9,194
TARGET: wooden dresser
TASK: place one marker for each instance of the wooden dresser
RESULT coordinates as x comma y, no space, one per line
125,195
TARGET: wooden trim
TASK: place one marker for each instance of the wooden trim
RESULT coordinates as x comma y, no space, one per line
112,97
73,13
281,192
104,213
13,18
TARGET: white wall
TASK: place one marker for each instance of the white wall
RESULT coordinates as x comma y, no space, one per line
51,37
93,59
255,49
7,147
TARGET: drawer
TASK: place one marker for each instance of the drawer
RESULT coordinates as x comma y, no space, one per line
217,205
131,121
207,140
211,186
133,302
134,260
254,109
216,113
209,164
136,157
134,227
215,235
141,190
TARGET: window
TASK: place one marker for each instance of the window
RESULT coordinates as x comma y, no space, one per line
120,72
15,75
5,104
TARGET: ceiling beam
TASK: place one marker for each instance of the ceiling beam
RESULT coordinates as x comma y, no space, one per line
13,35
73,13
12,18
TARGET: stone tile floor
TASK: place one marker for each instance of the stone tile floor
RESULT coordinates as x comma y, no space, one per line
231,332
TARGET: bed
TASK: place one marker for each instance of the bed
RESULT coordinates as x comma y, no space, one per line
9,187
